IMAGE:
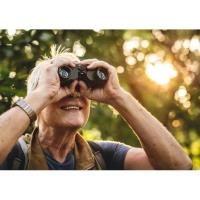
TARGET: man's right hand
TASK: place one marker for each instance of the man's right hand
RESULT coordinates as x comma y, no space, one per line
48,89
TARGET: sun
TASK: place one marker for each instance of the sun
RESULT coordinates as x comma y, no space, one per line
161,73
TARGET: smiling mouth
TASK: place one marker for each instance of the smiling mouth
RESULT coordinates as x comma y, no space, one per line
71,107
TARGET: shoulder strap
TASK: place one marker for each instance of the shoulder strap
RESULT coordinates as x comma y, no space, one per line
24,148
17,159
98,154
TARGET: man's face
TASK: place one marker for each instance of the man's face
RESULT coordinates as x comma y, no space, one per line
69,112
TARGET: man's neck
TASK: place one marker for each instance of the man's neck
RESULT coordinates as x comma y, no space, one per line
57,142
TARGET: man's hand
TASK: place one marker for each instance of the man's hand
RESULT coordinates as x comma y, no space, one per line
110,91
48,89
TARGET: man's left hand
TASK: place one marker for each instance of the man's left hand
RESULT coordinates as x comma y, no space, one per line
110,91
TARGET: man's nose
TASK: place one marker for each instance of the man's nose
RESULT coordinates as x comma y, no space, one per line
75,88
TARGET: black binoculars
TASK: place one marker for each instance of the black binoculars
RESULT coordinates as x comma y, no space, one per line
92,78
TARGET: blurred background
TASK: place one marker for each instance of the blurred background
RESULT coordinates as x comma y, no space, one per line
160,68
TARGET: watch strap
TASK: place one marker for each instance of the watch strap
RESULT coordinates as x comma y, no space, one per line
26,108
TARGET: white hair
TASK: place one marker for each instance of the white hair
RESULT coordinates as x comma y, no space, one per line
35,73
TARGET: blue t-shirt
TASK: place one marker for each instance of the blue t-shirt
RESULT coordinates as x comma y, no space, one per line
112,152
69,163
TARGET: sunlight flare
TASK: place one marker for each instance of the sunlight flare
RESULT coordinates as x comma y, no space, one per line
161,73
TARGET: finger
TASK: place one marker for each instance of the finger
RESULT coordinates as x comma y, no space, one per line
61,61
73,58
76,62
101,64
88,61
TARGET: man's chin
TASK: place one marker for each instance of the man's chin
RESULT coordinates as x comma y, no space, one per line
74,124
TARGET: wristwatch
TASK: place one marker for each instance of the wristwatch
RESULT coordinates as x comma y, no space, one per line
26,108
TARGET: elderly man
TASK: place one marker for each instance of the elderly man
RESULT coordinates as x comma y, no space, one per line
61,111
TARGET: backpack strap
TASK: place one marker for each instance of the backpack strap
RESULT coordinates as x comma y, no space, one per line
98,154
24,148
18,157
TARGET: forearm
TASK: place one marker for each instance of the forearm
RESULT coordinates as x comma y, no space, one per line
13,123
161,147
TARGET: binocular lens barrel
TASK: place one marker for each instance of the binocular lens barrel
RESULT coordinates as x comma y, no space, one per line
64,73
101,75
92,78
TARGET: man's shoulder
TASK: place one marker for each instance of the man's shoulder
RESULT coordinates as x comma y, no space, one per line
113,152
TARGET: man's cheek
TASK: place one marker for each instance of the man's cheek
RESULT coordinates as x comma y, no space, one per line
87,113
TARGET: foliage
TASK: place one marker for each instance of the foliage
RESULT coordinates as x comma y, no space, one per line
160,68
